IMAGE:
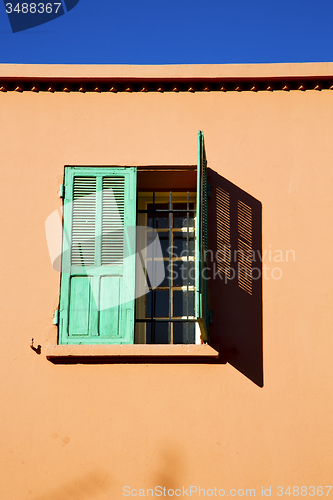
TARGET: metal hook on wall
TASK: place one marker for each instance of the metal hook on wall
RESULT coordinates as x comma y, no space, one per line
37,349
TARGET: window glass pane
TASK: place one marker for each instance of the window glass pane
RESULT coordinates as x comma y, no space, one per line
153,269
180,218
183,333
164,241
158,330
183,303
157,301
182,271
158,220
180,247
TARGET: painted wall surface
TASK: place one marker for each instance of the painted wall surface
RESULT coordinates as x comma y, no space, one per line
85,431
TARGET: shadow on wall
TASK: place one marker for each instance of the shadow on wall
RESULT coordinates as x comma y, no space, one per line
235,288
83,488
170,469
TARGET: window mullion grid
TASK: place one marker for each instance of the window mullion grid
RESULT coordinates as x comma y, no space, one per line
170,332
152,304
188,266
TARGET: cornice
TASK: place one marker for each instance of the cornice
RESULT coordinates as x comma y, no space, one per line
173,78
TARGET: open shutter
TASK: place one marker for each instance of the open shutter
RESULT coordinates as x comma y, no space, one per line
98,259
202,240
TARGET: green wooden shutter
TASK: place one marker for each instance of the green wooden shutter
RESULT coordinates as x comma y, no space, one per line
202,312
98,258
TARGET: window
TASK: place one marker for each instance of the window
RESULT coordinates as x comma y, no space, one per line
101,298
166,314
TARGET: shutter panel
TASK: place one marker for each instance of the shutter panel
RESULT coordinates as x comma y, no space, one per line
202,240
98,260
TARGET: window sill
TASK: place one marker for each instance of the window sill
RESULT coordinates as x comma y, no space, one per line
131,351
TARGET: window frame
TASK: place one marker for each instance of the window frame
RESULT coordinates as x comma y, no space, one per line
169,199
56,350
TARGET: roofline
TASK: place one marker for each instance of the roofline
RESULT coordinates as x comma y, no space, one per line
192,78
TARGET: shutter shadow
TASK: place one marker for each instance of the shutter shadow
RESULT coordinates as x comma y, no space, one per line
235,288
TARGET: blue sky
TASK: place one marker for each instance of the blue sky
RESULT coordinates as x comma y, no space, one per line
176,32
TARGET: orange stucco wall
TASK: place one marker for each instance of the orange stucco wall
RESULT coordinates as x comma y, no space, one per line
85,431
